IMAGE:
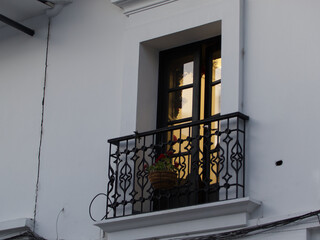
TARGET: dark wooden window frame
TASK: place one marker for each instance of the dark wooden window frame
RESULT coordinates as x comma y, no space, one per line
202,52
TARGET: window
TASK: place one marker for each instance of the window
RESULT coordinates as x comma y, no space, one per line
189,90
189,83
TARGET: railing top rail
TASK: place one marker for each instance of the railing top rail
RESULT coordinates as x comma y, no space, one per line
165,129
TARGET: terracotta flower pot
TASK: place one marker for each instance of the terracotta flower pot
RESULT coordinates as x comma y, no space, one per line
162,179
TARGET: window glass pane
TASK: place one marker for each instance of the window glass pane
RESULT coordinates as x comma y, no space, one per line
216,98
216,69
181,75
180,104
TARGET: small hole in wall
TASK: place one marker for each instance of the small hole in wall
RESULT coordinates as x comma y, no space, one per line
279,163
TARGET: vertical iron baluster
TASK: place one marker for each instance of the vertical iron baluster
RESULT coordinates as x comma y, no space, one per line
244,157
179,154
188,166
154,136
206,168
116,195
237,171
219,165
142,185
125,181
227,158
167,195
133,192
108,186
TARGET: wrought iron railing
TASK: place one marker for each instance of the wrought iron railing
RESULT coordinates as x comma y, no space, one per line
211,165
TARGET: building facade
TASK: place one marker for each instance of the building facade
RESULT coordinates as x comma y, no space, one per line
229,87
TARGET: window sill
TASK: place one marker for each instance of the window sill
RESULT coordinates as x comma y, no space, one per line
134,6
186,220
15,227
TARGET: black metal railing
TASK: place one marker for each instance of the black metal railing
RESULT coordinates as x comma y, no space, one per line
211,165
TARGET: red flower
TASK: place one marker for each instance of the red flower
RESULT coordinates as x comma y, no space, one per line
145,166
176,165
160,157
170,153
174,138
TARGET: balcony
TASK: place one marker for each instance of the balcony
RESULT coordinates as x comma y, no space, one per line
210,155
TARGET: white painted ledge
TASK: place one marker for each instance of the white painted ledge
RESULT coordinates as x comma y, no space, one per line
186,220
134,6
15,227
58,6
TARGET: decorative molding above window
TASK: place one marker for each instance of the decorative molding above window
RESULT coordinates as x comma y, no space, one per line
134,6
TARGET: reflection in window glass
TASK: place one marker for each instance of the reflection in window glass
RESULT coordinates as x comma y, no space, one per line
216,98
180,104
181,75
216,69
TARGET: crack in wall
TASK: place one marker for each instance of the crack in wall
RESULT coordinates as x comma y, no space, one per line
41,127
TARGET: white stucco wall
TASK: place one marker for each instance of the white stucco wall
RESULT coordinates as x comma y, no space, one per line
82,111
21,81
281,82
92,88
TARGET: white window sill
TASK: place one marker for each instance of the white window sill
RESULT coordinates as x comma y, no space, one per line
135,6
186,220
15,227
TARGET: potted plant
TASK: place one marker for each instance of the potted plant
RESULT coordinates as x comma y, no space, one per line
163,173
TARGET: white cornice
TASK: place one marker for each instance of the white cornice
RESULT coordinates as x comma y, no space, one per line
134,6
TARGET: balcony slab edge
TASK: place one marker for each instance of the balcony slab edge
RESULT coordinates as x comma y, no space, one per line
14,227
204,211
